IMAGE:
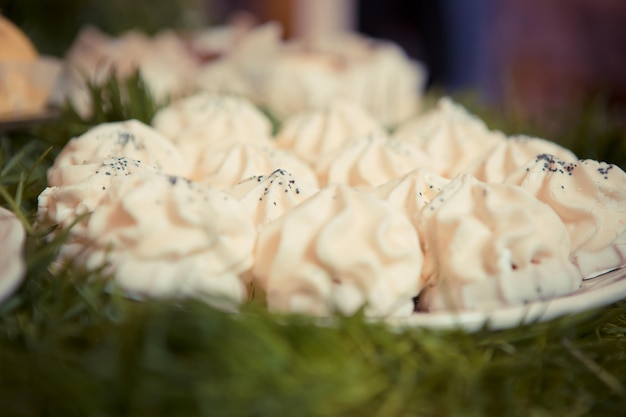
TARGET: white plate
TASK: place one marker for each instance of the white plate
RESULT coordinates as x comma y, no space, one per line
595,292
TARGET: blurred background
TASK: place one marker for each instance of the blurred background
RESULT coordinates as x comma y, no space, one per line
541,61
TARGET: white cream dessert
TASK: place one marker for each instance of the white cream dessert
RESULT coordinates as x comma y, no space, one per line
311,134
226,167
130,139
368,162
164,236
339,250
376,74
590,198
268,197
489,245
204,123
236,57
162,61
223,117
511,154
70,203
450,136
411,192
12,265
300,81
310,73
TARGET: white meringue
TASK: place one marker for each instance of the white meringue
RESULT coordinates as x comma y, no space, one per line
12,265
512,153
268,197
339,250
162,61
202,124
132,139
411,192
450,136
222,116
368,162
69,204
590,198
226,167
377,75
489,245
310,134
164,236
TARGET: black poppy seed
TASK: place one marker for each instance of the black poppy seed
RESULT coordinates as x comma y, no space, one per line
173,180
297,191
104,188
107,173
286,190
274,202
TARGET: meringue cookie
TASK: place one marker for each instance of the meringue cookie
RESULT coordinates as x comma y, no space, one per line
222,116
300,81
366,163
68,205
132,139
268,197
590,198
226,167
204,123
376,74
339,250
12,265
240,55
164,236
411,192
490,245
450,136
163,63
310,134
388,84
510,154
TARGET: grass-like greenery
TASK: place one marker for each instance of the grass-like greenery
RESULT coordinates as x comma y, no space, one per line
70,347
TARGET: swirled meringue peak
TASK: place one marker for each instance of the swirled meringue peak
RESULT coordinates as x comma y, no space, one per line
164,236
312,133
12,265
489,245
131,139
223,116
368,162
411,192
340,250
512,153
229,166
268,197
590,198
68,205
204,123
450,136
